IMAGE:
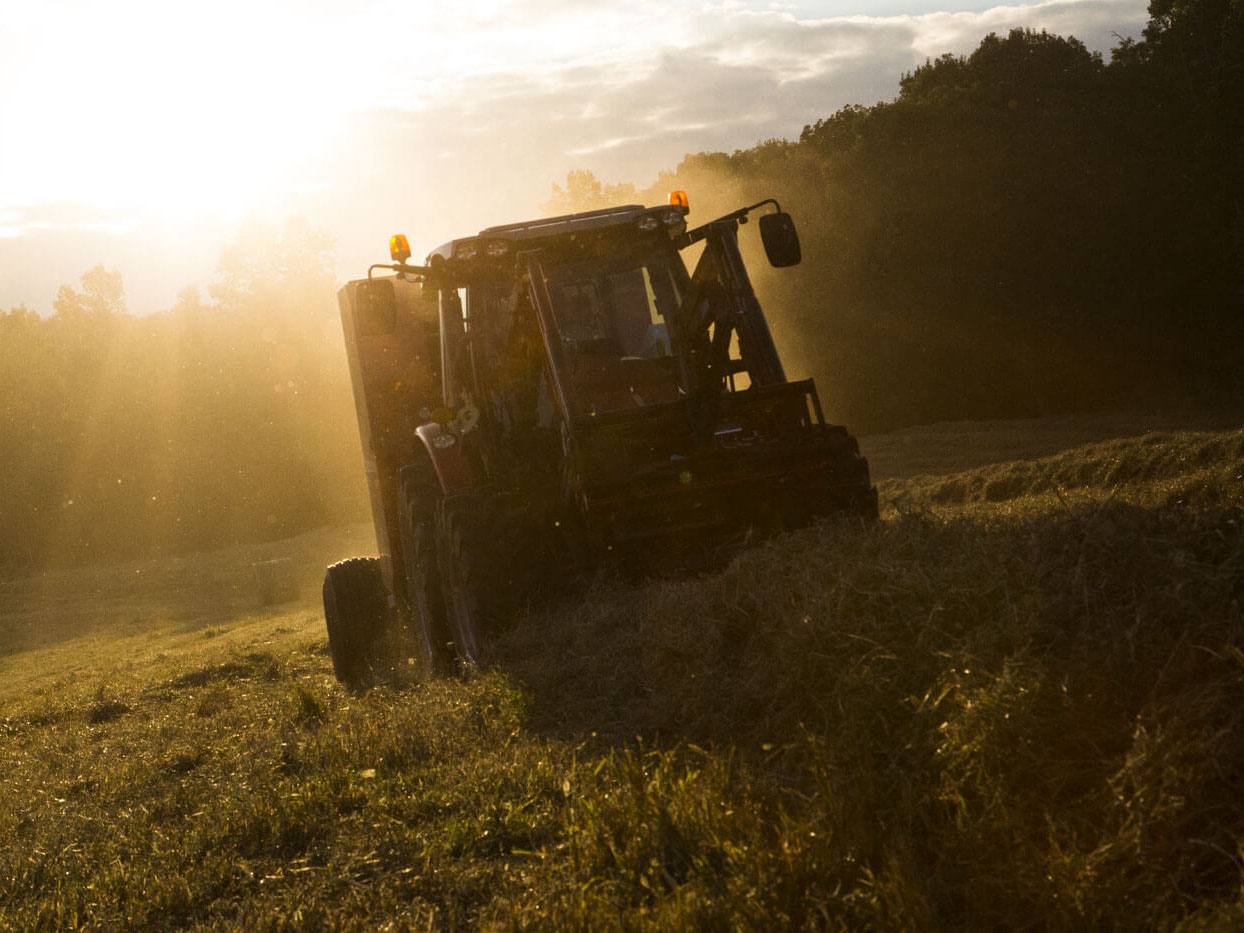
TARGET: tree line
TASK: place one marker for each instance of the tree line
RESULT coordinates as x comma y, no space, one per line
224,419
1024,230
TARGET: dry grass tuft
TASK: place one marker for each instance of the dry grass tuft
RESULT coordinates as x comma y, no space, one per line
104,709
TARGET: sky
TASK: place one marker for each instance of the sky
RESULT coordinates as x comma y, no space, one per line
147,135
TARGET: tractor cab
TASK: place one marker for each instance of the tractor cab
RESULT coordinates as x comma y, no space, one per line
610,318
605,294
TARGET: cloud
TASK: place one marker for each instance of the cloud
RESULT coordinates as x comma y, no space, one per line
485,110
489,147
51,218
749,75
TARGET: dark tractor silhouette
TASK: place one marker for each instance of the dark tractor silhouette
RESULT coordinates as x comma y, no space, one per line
549,397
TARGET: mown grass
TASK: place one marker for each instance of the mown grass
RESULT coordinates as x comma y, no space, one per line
179,594
1013,709
953,447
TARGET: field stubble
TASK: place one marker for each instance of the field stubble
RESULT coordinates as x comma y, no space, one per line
1016,701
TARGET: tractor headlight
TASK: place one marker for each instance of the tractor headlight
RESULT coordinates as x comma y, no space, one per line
497,248
648,222
467,250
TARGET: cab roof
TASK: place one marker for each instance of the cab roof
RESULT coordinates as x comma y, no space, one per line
548,227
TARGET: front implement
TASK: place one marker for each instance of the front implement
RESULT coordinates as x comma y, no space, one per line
767,461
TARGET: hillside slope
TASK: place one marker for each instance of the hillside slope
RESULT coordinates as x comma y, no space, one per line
1014,701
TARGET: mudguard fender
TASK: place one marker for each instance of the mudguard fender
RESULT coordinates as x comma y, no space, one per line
444,447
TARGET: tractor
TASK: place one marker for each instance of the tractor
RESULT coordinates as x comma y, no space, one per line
553,398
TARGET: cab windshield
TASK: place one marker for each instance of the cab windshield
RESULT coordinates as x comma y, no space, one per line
612,321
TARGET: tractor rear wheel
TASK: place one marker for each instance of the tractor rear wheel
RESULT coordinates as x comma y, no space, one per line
419,495
357,613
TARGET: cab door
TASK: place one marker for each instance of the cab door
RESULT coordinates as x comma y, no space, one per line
610,321
541,300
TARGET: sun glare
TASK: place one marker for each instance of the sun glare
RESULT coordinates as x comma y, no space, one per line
173,111
176,111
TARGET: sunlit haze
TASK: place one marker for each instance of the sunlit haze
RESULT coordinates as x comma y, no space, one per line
144,135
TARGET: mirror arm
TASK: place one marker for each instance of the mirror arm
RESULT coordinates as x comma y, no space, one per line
400,268
739,216
777,208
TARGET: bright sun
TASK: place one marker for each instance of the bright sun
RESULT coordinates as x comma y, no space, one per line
182,111
169,110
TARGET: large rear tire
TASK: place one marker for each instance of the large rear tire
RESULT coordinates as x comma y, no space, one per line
419,495
356,610
487,565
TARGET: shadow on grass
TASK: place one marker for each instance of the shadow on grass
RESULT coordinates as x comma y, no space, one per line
1037,703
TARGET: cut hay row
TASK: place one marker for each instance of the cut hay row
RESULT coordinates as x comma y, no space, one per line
1205,465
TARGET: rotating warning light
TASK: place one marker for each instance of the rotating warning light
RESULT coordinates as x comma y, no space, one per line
679,199
399,248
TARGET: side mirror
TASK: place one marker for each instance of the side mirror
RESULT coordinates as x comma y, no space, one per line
781,240
376,308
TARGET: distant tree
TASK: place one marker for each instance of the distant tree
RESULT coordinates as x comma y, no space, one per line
840,132
1204,38
275,268
102,295
18,316
189,301
583,191
1026,67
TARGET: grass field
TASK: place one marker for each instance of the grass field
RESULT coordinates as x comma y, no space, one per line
1016,702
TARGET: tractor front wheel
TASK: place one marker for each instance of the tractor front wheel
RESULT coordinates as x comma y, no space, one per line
357,613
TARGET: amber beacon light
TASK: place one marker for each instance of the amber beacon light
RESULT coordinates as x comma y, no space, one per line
679,199
399,248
